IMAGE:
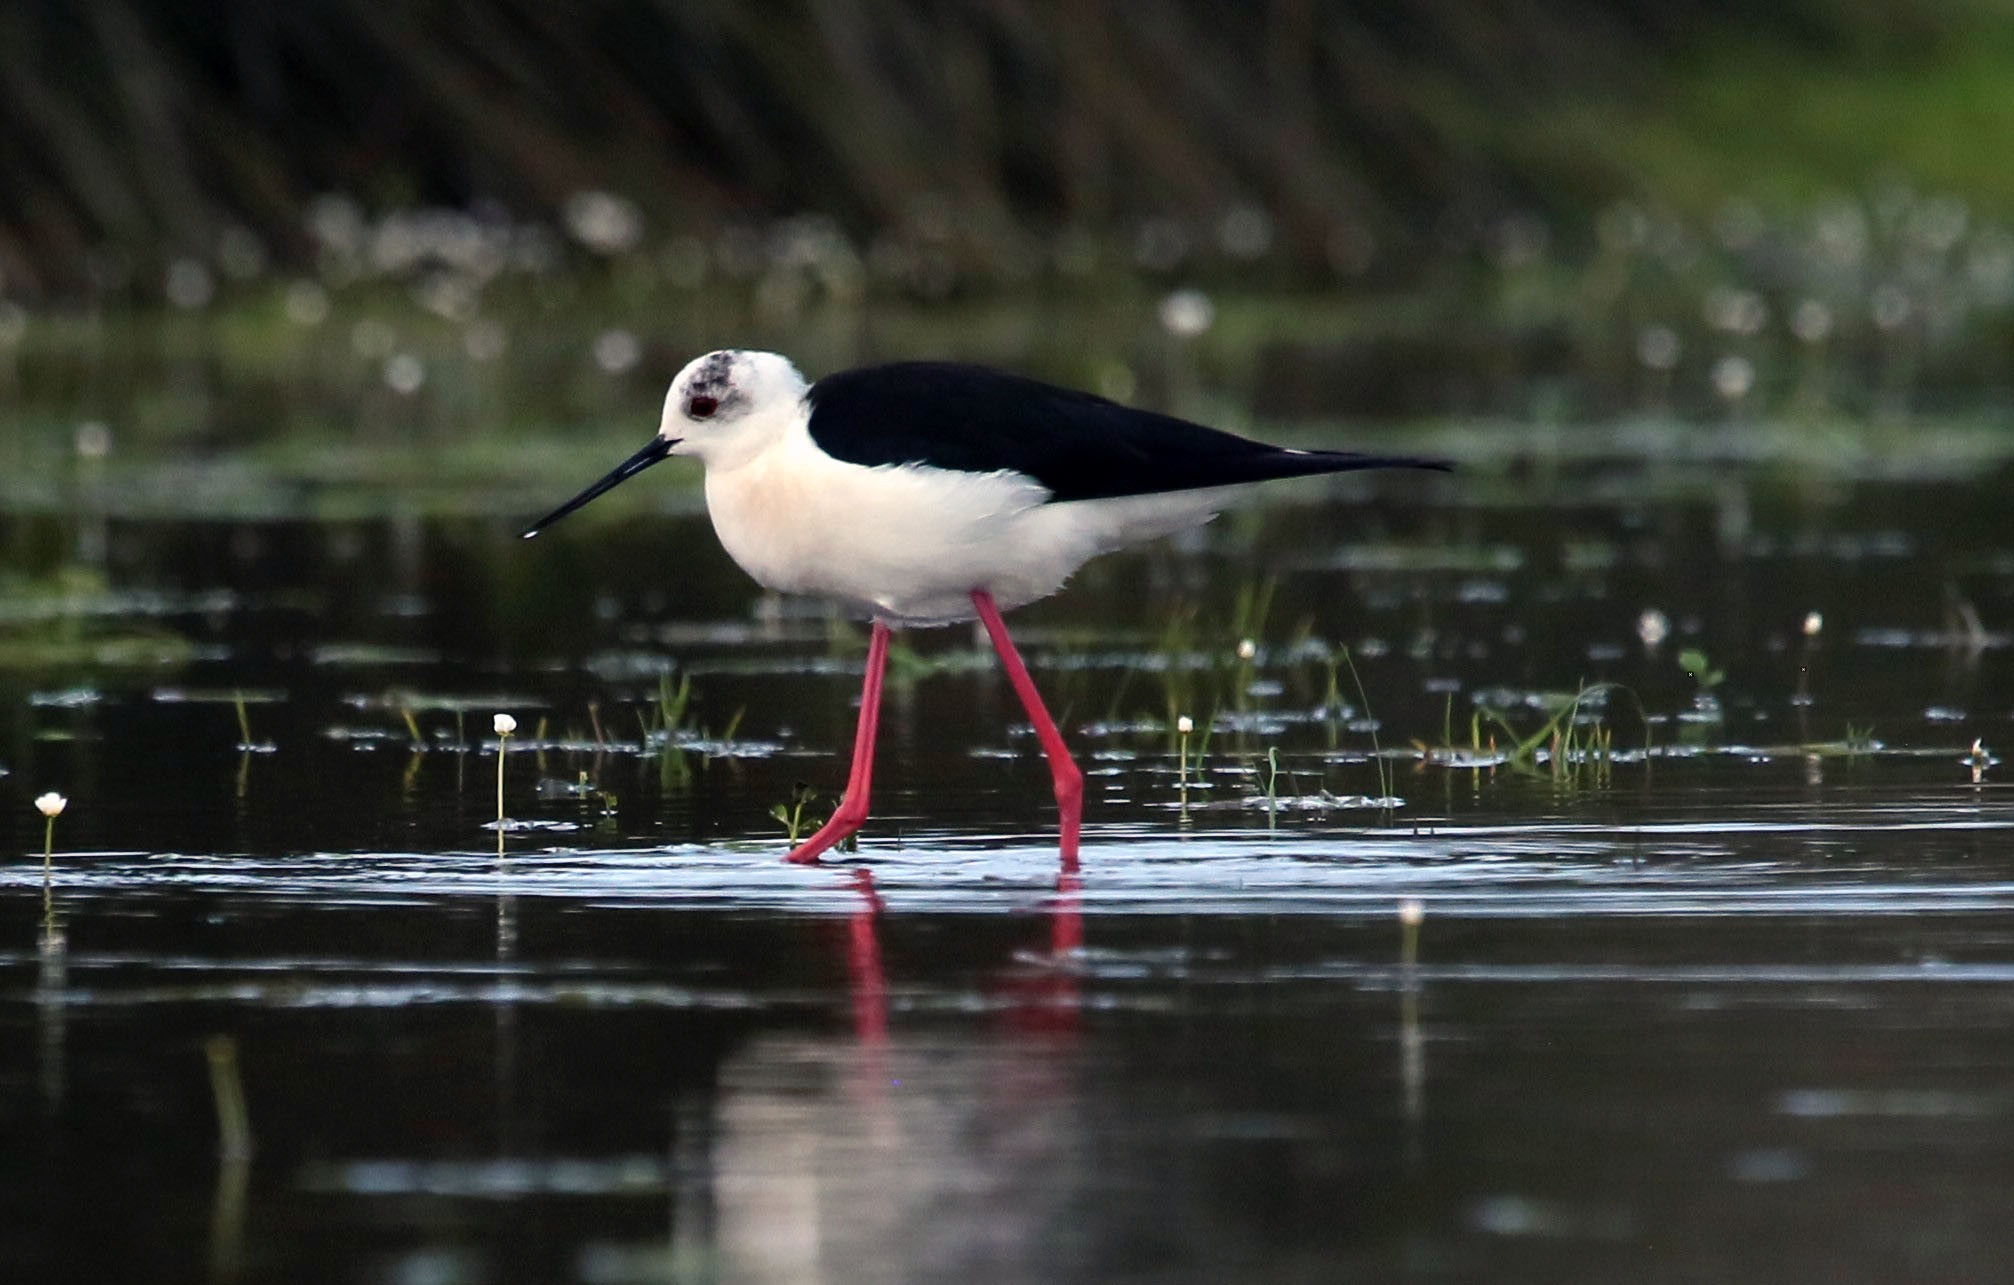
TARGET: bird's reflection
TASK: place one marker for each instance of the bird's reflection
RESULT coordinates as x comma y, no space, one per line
1040,990
826,1152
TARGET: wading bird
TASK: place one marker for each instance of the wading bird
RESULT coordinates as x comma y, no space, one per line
927,493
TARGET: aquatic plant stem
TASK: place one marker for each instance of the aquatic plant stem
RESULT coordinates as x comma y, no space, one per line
234,1122
1272,786
50,805
1377,752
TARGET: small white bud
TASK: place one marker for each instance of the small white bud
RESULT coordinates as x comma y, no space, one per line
504,724
51,804
1812,322
1653,627
94,440
1247,649
1814,624
1412,912
1185,725
1187,313
1733,376
1658,347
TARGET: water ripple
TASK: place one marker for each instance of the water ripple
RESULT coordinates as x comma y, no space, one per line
1765,861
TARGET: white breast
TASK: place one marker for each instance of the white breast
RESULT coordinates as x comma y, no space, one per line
909,543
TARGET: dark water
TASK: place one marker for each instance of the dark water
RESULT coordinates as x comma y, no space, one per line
1729,997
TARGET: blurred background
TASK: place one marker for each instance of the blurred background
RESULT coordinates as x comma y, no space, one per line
428,239
1673,715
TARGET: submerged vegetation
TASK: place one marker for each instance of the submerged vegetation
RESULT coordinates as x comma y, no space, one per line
791,814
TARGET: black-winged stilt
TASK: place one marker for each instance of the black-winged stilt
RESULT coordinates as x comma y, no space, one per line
926,493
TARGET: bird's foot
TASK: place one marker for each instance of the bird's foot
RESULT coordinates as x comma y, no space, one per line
1069,782
845,823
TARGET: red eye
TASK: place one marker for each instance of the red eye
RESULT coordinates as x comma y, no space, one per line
702,407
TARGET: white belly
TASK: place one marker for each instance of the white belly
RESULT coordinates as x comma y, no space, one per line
910,543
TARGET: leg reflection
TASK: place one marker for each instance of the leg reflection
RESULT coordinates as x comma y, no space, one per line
1043,992
863,963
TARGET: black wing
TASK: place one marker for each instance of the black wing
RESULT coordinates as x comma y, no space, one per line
1078,446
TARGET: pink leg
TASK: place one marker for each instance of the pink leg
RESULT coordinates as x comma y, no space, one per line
1062,769
852,810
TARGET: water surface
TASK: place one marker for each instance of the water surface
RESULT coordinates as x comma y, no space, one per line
1717,988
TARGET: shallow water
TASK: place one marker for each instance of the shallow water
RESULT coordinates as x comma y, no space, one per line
1724,996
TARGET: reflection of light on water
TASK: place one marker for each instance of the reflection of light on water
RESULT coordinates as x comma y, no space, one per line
830,1157
227,1217
1756,861
1895,1103
1412,1047
492,1178
505,1072
234,1160
50,981
1525,1216
974,1153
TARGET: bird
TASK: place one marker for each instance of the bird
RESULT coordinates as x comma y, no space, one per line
924,493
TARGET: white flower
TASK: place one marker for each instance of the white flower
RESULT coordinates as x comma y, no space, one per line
1187,313
1412,912
51,804
1247,649
94,440
1733,376
1813,624
504,724
1658,347
1185,725
1652,627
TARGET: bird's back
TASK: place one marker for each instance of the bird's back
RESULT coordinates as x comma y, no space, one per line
1078,446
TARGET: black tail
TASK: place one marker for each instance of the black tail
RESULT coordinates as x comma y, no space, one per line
1231,461
1281,462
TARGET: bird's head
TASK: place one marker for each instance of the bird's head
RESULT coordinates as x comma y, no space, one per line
720,408
729,401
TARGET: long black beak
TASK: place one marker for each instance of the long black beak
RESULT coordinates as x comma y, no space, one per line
659,448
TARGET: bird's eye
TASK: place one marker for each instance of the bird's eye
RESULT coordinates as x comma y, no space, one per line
702,407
